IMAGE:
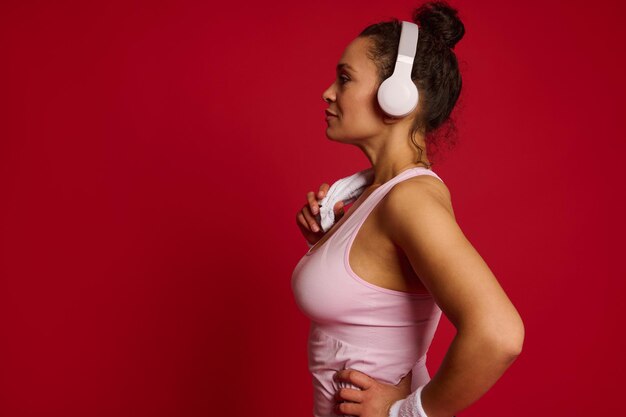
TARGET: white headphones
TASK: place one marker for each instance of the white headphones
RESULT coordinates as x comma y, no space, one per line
398,95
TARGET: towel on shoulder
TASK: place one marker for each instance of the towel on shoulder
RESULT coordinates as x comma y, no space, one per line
346,189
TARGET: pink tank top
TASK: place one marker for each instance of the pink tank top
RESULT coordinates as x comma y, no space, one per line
382,332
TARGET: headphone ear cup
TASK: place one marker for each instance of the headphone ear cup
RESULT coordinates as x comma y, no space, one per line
397,97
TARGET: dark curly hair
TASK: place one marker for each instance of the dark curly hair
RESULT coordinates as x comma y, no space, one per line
435,69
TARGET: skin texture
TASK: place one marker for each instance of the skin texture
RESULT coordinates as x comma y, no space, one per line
419,224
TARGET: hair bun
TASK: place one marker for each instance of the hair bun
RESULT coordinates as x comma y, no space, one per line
440,20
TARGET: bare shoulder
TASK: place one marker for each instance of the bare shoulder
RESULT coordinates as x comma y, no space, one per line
417,213
425,191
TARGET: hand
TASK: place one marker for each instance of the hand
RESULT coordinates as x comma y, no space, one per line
306,218
374,399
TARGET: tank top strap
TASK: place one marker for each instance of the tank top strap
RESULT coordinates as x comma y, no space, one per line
350,226
380,192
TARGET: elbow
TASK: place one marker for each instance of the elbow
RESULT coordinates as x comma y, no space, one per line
517,348
517,335
512,351
511,341
501,334
505,339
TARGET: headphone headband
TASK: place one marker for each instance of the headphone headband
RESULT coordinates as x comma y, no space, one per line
408,41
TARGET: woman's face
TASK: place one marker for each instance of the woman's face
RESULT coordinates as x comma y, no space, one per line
352,96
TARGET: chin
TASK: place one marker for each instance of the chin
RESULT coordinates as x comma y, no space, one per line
331,136
340,138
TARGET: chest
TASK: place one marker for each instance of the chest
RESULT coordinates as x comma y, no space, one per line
372,254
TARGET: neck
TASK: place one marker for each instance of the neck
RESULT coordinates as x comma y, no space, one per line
389,160
384,174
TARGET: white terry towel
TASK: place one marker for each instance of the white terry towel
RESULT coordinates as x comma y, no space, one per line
346,189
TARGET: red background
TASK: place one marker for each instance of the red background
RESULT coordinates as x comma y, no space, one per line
154,154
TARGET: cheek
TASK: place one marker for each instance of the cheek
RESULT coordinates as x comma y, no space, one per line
360,106
365,112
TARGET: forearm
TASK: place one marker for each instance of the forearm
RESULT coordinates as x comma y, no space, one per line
470,368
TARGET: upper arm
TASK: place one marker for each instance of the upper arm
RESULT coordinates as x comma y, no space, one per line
420,220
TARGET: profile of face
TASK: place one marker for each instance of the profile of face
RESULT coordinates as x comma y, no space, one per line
352,97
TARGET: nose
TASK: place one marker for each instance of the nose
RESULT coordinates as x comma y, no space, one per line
328,95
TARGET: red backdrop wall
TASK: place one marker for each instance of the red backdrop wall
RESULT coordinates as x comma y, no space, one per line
153,156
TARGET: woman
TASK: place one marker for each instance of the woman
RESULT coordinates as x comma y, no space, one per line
376,283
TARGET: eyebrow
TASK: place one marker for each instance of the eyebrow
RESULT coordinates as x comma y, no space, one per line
343,64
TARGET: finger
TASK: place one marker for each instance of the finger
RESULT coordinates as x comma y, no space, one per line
338,209
352,409
322,191
355,377
348,394
313,205
307,220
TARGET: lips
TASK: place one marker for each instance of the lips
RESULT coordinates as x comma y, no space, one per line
330,113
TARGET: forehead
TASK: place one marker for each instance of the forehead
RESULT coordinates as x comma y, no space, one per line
355,55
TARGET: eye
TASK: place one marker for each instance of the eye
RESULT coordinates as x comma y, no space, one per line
343,79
